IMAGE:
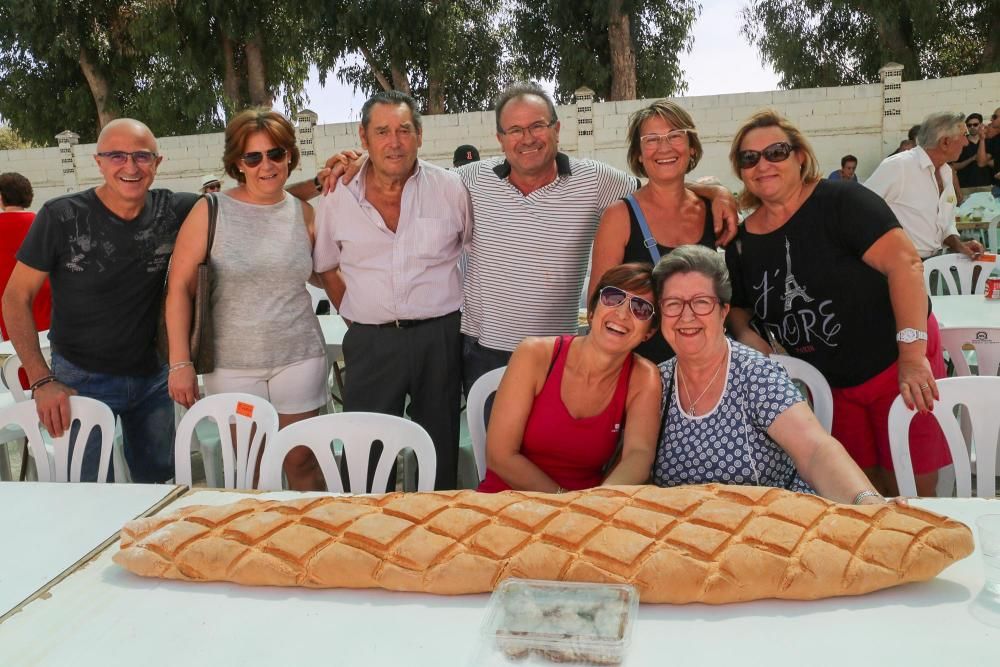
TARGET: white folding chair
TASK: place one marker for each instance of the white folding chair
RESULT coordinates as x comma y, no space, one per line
475,407
985,342
87,414
254,418
357,431
819,388
979,397
968,282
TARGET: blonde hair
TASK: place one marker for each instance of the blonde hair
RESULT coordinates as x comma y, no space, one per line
678,118
770,118
259,119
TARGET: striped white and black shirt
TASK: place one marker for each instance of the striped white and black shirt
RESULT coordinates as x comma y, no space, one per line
529,252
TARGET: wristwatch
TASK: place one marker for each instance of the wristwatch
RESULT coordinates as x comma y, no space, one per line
909,335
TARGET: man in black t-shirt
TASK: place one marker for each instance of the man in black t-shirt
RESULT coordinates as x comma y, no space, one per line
971,175
105,251
989,150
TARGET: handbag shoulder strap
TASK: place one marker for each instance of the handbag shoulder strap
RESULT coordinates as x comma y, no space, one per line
647,236
213,214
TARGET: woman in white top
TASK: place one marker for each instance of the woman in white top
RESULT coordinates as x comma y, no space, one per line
267,339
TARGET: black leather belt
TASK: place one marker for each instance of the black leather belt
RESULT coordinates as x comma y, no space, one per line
408,324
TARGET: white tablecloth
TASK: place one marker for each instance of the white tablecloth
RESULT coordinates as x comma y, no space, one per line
966,310
103,615
47,528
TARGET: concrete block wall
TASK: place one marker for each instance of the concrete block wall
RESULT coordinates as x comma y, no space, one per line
847,119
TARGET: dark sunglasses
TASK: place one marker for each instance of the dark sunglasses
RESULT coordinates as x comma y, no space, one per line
612,297
254,158
118,158
778,152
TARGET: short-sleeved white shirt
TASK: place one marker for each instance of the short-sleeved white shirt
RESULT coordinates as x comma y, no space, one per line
409,274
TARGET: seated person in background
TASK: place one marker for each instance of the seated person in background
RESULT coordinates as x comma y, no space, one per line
16,194
848,165
730,414
562,404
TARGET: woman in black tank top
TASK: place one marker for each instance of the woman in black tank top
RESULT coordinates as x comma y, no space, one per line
663,214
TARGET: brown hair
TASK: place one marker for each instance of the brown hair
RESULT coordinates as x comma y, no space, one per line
771,118
15,190
678,118
259,119
632,277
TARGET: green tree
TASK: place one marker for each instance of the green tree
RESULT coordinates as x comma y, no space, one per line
11,140
815,43
446,53
622,49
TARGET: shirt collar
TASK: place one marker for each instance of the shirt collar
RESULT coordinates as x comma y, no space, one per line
357,184
563,168
923,158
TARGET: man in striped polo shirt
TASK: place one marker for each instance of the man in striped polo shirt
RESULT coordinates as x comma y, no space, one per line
536,211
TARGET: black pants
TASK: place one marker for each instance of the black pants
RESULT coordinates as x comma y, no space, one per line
386,364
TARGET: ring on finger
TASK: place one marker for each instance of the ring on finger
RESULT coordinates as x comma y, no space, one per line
924,386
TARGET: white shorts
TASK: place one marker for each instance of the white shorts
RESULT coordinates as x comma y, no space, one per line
294,388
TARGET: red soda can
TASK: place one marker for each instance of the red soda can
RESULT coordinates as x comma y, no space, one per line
993,288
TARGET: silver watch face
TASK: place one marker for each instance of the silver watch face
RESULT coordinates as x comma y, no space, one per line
909,336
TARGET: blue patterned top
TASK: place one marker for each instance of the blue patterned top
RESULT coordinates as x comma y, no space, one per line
729,444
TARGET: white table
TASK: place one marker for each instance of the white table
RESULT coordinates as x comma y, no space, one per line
46,529
966,310
103,615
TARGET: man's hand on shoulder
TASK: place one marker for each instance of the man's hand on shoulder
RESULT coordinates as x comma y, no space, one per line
344,166
52,404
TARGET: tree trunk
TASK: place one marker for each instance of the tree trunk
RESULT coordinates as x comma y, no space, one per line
895,30
379,75
435,95
623,68
230,79
257,73
400,80
990,59
99,89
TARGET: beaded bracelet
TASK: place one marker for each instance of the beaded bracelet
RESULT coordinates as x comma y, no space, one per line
867,493
41,382
179,365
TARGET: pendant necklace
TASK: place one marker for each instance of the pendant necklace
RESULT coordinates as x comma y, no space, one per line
687,392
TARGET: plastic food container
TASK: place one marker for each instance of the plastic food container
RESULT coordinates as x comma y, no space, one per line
531,622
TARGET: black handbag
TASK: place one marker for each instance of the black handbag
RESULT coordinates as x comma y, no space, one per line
202,342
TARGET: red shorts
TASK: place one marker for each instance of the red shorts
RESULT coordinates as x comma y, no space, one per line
861,417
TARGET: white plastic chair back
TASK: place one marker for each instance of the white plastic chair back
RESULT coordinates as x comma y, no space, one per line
357,431
992,241
475,410
985,341
9,374
979,397
819,388
963,266
86,412
254,418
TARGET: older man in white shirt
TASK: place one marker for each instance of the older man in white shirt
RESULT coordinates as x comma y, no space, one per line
387,250
918,187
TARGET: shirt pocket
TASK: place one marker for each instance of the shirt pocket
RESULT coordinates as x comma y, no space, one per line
435,238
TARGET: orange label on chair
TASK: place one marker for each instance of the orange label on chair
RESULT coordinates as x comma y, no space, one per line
244,409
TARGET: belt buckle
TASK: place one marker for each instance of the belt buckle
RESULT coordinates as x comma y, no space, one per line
396,324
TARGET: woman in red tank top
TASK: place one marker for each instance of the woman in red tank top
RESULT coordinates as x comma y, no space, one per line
565,402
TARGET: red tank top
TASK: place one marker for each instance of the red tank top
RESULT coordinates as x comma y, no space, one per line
573,452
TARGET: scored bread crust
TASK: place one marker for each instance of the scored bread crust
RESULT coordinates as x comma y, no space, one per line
710,543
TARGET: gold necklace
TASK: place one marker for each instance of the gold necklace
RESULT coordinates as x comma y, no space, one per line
687,392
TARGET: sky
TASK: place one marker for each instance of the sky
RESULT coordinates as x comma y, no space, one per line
720,62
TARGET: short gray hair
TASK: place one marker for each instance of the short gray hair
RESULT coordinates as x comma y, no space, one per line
522,89
393,98
694,259
937,126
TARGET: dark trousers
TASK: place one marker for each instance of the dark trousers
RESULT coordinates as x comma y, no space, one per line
386,364
477,361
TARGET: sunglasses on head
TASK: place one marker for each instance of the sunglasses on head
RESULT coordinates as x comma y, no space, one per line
612,297
777,152
254,158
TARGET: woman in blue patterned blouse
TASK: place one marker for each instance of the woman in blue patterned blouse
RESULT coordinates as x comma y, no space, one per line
730,414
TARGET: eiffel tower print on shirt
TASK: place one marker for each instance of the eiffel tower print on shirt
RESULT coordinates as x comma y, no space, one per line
792,287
